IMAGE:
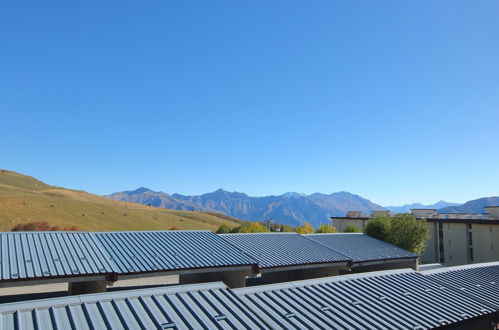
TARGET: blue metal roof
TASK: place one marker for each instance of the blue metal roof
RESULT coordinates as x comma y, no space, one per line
29,255
479,280
145,251
378,300
360,247
283,249
202,306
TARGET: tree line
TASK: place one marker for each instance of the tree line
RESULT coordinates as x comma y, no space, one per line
306,228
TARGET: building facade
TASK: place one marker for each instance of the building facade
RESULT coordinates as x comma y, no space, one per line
455,238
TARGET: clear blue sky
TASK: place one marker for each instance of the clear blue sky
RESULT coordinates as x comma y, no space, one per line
397,101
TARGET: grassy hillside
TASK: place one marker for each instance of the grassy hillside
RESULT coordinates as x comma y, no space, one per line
25,199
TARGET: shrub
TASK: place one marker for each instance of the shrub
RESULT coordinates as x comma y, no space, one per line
41,226
352,228
223,229
326,228
305,229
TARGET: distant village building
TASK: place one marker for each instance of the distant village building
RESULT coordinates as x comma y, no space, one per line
455,238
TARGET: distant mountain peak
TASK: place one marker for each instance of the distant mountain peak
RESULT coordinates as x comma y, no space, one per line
140,190
292,194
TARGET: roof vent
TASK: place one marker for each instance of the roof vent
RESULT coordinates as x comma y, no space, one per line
326,308
170,325
290,314
355,302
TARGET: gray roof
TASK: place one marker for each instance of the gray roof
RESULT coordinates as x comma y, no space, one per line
208,306
283,249
479,280
360,247
397,299
42,255
381,300
145,251
29,255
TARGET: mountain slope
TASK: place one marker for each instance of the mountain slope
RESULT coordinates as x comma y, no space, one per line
473,206
407,208
290,208
25,199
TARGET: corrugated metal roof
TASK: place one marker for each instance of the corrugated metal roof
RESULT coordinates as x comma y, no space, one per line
360,247
380,300
479,280
283,249
143,251
208,306
27,255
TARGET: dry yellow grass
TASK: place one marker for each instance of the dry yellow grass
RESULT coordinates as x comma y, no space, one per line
25,199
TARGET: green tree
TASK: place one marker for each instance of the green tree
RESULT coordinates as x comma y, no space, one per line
379,227
352,228
223,229
409,233
325,228
306,228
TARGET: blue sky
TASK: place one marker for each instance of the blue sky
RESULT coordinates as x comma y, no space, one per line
397,101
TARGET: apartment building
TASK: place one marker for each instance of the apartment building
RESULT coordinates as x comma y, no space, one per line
455,238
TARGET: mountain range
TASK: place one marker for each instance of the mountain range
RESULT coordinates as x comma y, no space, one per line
407,207
290,208
473,206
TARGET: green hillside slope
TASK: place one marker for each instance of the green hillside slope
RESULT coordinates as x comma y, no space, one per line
25,199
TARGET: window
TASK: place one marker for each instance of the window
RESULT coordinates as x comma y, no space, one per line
469,226
470,238
471,254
